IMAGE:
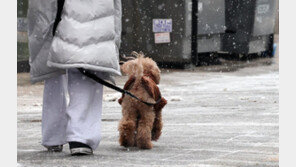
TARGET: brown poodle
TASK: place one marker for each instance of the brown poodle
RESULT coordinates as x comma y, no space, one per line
141,123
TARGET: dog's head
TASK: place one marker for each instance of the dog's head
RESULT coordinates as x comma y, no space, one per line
140,66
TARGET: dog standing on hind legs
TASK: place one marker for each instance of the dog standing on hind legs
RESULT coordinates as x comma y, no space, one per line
141,123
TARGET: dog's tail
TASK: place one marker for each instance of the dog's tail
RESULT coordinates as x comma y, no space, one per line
139,67
139,64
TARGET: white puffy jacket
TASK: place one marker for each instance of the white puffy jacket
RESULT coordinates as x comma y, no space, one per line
88,36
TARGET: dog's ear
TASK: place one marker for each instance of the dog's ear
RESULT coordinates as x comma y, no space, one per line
160,105
127,86
150,86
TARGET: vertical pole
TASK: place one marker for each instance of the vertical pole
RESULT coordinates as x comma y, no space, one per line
194,52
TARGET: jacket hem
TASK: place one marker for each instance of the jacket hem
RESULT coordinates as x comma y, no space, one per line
85,66
35,79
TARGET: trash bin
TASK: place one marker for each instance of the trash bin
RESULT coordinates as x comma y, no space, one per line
250,26
161,29
211,24
165,30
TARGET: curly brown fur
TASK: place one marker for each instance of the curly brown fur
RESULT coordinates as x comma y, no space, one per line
128,84
157,126
141,123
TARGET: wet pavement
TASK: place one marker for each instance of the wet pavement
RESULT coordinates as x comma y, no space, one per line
222,115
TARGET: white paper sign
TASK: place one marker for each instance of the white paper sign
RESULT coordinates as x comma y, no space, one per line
162,25
263,8
162,38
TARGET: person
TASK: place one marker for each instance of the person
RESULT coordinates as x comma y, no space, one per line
65,35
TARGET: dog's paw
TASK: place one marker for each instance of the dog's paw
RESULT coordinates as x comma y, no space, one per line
125,142
155,135
145,145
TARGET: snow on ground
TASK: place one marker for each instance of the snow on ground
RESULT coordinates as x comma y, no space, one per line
212,118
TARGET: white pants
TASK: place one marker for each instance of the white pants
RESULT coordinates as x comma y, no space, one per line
80,121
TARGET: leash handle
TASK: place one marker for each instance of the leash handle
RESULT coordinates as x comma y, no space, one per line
103,82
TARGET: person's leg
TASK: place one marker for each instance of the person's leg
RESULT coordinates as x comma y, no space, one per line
54,119
84,110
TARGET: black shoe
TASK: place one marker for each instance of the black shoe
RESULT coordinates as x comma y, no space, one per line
58,148
77,148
